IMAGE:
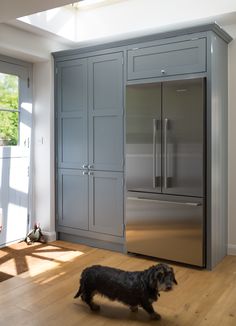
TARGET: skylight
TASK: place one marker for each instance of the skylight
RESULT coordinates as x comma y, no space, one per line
88,20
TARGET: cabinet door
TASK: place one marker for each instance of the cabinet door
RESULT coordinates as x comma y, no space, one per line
106,202
72,113
106,112
72,199
167,59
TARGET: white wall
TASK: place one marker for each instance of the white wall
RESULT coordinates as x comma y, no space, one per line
43,145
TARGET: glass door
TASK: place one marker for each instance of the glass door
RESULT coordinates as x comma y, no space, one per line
15,139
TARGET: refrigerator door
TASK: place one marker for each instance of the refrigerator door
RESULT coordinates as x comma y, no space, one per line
167,227
183,137
143,137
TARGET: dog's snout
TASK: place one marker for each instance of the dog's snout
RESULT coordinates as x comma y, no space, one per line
168,287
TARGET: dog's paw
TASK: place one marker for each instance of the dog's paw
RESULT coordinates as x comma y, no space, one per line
134,308
94,307
155,316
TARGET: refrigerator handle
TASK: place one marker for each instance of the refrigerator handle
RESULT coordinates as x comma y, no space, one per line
165,153
154,127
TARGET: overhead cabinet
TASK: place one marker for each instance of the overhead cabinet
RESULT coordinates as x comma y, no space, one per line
169,59
90,113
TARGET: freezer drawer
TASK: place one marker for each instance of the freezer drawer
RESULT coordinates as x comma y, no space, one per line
165,227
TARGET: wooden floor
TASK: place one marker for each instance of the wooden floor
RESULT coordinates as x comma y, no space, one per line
44,296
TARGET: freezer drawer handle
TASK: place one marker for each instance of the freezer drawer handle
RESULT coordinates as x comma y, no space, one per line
165,201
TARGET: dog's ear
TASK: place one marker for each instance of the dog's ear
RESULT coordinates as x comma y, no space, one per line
153,276
175,279
173,274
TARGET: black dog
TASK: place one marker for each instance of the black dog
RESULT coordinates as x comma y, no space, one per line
132,288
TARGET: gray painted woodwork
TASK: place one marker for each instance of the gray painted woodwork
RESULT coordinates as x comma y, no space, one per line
105,206
168,59
207,60
72,199
72,114
217,172
90,137
105,98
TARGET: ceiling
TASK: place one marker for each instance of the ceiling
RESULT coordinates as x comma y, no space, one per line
12,9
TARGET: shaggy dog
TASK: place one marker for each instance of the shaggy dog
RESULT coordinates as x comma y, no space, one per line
132,288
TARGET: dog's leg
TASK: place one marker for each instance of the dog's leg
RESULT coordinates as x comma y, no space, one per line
88,298
134,308
149,308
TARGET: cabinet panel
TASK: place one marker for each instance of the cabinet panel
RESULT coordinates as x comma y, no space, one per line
106,112
72,113
168,59
106,202
72,199
72,142
107,151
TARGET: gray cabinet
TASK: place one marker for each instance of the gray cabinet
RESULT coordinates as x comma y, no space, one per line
90,92
173,58
72,199
90,200
72,113
89,111
105,202
105,103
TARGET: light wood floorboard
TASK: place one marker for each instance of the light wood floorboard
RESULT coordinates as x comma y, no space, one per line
44,296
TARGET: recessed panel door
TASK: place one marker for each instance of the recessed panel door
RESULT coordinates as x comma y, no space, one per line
72,114
106,112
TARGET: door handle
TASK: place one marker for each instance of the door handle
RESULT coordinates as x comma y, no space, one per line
155,178
154,129
165,153
165,201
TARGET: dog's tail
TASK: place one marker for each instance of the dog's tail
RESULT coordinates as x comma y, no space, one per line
78,293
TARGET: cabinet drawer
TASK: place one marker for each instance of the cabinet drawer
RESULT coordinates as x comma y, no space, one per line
168,59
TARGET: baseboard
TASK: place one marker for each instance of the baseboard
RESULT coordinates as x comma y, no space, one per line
119,247
50,236
231,250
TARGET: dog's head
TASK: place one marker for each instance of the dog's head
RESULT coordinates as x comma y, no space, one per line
161,277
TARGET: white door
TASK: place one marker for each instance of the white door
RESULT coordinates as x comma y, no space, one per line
15,141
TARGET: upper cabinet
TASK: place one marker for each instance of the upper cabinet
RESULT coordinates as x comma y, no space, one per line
72,98
90,113
169,59
105,109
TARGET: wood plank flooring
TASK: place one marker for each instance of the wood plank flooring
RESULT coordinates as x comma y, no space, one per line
44,296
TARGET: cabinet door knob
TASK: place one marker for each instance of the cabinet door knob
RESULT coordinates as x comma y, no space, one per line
85,166
85,172
163,71
90,173
90,166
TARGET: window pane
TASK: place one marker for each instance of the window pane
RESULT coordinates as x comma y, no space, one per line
9,99
9,122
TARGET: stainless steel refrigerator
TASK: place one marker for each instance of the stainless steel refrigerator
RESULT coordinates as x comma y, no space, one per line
165,170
